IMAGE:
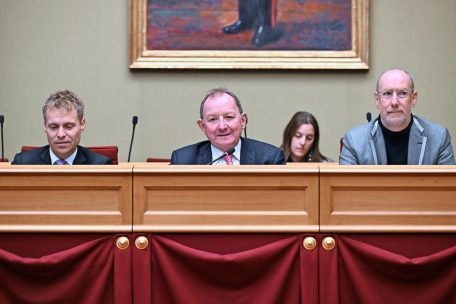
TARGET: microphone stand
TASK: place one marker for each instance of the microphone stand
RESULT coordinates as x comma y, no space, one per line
229,152
2,120
135,121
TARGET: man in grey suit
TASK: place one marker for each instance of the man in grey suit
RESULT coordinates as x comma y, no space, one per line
222,121
397,137
64,122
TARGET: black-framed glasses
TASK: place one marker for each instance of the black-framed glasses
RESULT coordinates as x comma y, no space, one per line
388,94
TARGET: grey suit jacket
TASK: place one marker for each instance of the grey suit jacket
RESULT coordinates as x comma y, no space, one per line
253,152
41,156
429,144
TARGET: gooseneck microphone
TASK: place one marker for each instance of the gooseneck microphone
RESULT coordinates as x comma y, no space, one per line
229,152
2,120
135,122
368,116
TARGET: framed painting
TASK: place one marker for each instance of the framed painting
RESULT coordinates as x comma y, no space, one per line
249,34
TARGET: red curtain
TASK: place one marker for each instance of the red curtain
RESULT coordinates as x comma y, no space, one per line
267,271
227,268
397,269
83,273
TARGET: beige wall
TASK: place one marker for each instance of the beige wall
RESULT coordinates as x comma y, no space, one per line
83,45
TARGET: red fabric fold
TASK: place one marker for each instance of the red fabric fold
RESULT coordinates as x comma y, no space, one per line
369,274
81,274
266,274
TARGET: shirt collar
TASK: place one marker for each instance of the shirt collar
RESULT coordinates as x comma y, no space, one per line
236,155
69,159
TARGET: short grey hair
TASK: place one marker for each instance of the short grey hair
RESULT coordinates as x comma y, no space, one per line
220,91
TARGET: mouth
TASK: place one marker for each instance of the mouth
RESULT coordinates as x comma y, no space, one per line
224,135
61,143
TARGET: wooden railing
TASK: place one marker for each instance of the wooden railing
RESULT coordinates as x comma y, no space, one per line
143,197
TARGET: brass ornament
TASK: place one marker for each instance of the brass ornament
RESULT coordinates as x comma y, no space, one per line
122,242
328,243
309,243
141,242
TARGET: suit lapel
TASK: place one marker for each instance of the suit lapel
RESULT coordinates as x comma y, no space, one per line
204,154
247,153
45,157
80,158
417,144
378,145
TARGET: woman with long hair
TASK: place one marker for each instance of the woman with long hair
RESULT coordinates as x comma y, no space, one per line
301,139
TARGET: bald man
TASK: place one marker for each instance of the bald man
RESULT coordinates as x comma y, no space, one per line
397,137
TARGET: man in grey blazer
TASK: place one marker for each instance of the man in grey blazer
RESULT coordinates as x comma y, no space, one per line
397,137
64,122
222,121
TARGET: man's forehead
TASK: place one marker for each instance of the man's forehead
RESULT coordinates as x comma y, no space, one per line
61,113
219,104
395,78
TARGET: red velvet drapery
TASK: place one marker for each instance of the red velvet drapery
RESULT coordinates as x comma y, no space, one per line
397,269
63,269
227,268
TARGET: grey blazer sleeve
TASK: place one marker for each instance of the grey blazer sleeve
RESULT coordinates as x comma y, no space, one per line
348,154
446,155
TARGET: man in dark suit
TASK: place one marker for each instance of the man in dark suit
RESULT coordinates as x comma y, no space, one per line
64,122
222,121
258,15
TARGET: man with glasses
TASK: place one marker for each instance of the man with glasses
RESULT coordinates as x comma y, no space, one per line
397,137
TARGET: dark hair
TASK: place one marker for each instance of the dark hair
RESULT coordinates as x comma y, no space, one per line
295,122
220,91
64,99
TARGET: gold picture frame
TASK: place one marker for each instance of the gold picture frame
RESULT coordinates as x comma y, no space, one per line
355,56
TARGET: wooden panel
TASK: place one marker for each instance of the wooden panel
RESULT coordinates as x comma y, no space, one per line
388,198
225,198
66,198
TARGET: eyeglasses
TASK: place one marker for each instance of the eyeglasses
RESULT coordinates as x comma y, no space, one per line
388,94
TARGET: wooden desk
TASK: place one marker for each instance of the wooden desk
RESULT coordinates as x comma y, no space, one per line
65,198
387,198
154,197
225,198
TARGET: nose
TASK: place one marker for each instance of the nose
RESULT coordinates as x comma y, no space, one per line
221,123
394,100
61,132
303,141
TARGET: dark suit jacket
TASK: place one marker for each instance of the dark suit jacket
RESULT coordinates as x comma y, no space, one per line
253,152
41,156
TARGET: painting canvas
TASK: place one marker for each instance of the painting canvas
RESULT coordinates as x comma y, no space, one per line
249,34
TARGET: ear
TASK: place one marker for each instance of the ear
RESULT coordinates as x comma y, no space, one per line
83,123
244,120
376,100
414,99
200,124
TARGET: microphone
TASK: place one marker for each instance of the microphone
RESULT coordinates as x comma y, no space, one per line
368,116
134,121
309,157
2,120
229,152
